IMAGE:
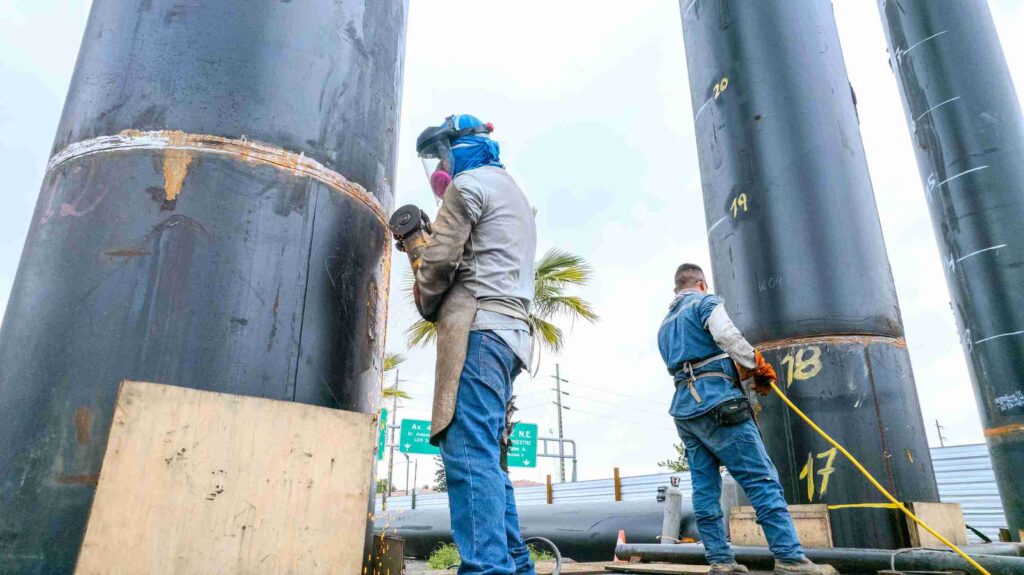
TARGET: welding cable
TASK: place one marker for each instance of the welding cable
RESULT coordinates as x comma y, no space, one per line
554,550
875,482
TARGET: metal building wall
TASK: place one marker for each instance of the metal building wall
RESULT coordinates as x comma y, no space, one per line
964,474
967,130
798,253
213,216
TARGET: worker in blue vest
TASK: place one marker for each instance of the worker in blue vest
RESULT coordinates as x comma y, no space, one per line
708,358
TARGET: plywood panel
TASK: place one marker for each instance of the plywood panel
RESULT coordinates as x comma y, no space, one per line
202,482
945,518
812,526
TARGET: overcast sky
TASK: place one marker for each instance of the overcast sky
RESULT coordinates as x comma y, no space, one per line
592,109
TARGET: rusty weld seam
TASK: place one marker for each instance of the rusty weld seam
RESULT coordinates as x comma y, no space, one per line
249,151
1005,429
831,340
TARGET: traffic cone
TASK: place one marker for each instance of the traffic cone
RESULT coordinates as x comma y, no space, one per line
620,541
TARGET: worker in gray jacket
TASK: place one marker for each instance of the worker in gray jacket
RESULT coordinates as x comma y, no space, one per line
475,280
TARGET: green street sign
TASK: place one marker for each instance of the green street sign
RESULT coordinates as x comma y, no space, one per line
522,449
415,437
382,441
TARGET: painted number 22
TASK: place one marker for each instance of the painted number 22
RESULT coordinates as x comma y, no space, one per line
803,364
808,472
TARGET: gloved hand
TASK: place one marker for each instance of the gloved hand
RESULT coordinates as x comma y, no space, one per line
763,374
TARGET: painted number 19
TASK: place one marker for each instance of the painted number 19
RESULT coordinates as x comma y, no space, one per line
739,204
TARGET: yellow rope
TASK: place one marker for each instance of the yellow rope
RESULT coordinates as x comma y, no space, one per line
861,505
874,482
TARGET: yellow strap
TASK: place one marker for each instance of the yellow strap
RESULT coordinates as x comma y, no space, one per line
896,504
860,505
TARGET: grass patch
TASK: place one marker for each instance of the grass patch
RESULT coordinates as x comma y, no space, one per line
540,554
444,556
448,554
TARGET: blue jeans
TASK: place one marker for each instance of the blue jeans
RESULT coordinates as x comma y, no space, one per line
740,449
485,523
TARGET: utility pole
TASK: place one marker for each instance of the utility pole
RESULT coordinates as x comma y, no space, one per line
558,401
942,440
391,448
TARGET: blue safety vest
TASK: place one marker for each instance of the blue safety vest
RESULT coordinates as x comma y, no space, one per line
684,338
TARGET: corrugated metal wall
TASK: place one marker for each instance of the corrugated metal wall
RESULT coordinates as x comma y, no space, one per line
964,474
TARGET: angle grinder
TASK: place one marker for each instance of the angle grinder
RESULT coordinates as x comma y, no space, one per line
409,224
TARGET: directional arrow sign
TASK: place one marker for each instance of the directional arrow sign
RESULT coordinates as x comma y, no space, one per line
522,451
383,433
415,437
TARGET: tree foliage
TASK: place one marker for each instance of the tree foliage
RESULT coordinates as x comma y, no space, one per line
440,479
554,275
680,462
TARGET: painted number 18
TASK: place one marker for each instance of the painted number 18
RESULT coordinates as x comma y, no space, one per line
802,365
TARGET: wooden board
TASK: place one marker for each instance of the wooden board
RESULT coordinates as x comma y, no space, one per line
812,526
202,482
657,568
945,518
548,567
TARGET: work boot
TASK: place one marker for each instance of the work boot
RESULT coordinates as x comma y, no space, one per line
727,568
804,567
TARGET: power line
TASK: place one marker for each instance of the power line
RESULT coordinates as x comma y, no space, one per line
622,420
617,393
585,398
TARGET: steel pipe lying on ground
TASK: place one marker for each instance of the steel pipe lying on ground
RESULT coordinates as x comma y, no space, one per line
582,531
844,559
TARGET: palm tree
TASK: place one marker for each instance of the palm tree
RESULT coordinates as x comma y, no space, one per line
391,361
553,275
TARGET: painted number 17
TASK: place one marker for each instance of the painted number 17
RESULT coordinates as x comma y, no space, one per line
808,472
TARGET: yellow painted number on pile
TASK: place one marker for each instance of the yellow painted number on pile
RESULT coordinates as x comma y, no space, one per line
739,203
801,366
721,86
808,472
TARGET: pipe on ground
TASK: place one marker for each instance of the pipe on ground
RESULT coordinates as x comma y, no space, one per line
582,531
844,559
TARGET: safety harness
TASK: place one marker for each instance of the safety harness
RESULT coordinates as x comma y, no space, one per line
690,367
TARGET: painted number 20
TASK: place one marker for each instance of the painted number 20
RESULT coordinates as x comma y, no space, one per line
720,87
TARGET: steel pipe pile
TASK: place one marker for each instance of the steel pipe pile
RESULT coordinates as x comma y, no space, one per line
798,255
968,135
213,216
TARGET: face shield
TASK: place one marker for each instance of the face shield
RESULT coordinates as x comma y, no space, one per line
435,152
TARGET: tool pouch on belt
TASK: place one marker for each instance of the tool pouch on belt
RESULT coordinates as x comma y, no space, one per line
506,436
732,412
